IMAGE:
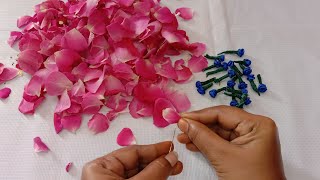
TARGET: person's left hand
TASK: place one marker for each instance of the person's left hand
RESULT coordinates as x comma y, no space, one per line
135,163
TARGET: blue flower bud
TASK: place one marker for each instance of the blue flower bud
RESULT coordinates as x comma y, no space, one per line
240,52
242,85
244,91
234,103
262,88
217,63
231,83
250,77
247,62
198,84
230,63
231,73
225,65
213,93
201,91
247,71
247,101
221,57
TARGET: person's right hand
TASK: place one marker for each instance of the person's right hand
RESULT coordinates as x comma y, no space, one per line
239,145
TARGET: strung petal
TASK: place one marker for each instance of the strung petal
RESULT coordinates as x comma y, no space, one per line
4,93
196,64
66,59
171,116
113,85
68,166
126,137
57,123
164,15
179,99
98,123
74,40
64,102
160,105
56,83
30,61
14,37
39,146
185,13
197,49
71,123
24,20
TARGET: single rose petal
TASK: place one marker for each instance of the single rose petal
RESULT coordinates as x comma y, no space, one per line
185,13
39,146
96,22
91,104
68,166
139,109
30,61
66,59
179,99
98,123
56,83
125,3
71,123
164,15
64,102
126,137
26,107
116,102
197,64
197,49
171,116
14,37
183,73
113,85
57,123
33,88
7,74
145,69
78,89
160,105
74,40
148,92
4,93
24,20
126,51
111,115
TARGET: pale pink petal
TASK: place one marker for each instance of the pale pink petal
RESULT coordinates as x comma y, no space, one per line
139,109
30,61
78,89
93,86
145,69
56,83
24,20
185,13
125,3
66,59
164,15
26,107
174,36
197,49
98,123
124,71
5,93
197,64
71,123
64,102
39,146
116,102
7,74
68,166
74,40
14,37
166,69
159,106
91,104
113,85
179,99
171,116
126,137
57,123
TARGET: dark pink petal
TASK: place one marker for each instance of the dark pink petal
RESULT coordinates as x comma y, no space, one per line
56,83
126,137
91,104
166,69
24,20
92,74
71,123
39,146
94,85
145,69
171,116
57,123
125,51
139,109
98,123
126,3
64,102
26,107
179,99
185,13
111,115
96,22
30,61
164,15
7,74
116,102
183,73
160,105
148,92
197,64
117,32
74,40
124,71
33,89
113,85
68,166
197,49
14,37
66,59
5,93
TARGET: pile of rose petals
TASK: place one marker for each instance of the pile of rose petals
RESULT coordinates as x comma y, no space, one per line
112,53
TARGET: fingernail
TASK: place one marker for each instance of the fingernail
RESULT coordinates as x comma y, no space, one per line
183,125
172,158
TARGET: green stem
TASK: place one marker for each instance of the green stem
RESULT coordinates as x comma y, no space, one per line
221,89
242,66
208,81
212,57
221,78
208,68
207,86
233,91
233,95
228,52
254,87
215,72
259,78
235,68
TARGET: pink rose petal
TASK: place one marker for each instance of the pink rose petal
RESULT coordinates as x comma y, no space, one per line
126,3
170,115
56,83
113,85
197,49
39,146
96,22
179,99
185,13
139,109
57,123
197,64
71,123
74,40
30,61
14,37
5,93
78,89
158,119
7,74
126,137
26,107
64,102
91,104
24,20
116,102
66,59
98,123
68,166
164,15
145,69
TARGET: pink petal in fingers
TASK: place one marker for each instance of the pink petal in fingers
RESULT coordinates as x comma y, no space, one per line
185,13
197,49
160,105
5,93
68,166
24,20
64,102
71,123
56,83
74,40
196,64
171,116
126,137
39,146
98,123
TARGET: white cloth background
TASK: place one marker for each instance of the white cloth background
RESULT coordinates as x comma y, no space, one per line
281,37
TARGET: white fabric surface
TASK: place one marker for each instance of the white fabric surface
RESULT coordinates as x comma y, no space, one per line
281,37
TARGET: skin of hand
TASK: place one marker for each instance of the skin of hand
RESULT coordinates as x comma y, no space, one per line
239,145
135,163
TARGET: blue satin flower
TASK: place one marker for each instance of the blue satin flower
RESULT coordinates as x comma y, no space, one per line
225,66
213,93
231,83
244,91
262,88
217,63
240,52
221,57
230,63
234,103
231,73
198,84
247,71
247,62
247,101
201,91
250,77
242,85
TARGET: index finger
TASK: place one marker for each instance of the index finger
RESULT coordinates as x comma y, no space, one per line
227,117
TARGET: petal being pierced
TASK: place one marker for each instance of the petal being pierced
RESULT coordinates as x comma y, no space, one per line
39,146
185,13
4,93
126,137
98,123
170,115
158,119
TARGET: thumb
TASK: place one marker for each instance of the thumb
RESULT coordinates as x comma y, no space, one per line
206,140
159,169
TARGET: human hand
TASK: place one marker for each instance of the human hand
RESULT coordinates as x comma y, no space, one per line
135,163
239,145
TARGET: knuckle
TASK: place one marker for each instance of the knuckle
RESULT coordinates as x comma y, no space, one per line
89,166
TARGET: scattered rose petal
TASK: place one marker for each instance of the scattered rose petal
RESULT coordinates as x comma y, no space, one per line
197,49
4,93
56,83
68,166
71,123
7,74
64,102
126,137
98,123
39,146
30,61
196,64
185,13
57,123
24,20
170,115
